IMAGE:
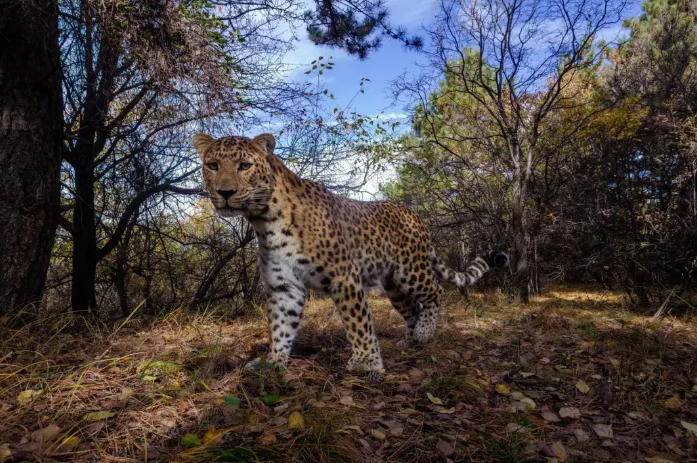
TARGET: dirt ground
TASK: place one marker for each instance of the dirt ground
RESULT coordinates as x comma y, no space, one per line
571,377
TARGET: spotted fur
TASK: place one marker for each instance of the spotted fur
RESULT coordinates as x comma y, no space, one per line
310,238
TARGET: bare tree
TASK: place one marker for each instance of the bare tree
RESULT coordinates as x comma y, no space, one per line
513,60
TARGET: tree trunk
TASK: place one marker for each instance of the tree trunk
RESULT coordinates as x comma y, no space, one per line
520,236
30,146
84,242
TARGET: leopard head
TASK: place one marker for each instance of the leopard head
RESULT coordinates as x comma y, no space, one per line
237,172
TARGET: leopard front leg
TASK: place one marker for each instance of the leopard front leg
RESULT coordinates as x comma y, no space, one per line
285,308
352,304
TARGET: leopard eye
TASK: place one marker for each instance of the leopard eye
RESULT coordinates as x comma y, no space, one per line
245,165
212,165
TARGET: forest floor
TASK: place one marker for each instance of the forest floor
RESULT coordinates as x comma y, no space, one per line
573,376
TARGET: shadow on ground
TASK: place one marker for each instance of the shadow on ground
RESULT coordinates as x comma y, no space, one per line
571,376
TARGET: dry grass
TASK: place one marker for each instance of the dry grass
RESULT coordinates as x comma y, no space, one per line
167,380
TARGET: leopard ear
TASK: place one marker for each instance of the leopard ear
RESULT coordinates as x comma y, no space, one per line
202,142
266,141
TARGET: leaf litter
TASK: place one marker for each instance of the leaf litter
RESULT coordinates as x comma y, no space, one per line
526,383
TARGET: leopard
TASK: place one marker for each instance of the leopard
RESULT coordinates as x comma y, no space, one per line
312,239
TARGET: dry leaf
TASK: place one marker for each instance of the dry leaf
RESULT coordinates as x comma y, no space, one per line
346,400
444,449
97,416
550,416
296,422
503,389
515,427
377,434
658,460
5,452
67,445
569,412
28,396
434,399
269,438
528,402
126,392
559,451
603,430
581,435
689,427
46,434
673,402
582,387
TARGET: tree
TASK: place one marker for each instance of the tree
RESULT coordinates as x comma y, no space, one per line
30,146
513,60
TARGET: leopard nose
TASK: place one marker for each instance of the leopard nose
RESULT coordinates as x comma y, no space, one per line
226,193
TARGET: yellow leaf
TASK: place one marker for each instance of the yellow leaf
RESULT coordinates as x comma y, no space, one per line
503,389
26,397
559,450
296,422
377,434
268,438
97,416
434,399
694,388
658,460
582,387
68,445
689,427
5,452
673,402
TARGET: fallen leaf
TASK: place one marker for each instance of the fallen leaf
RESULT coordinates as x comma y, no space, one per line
269,438
603,430
231,400
433,399
296,422
582,387
689,427
503,389
352,427
517,395
125,393
515,427
97,416
452,354
658,460
550,416
270,399
404,387
581,435
529,402
569,412
67,445
148,378
46,434
190,440
444,449
346,400
28,396
377,434
673,402
559,451
5,452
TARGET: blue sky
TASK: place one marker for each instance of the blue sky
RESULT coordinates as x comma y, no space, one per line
383,65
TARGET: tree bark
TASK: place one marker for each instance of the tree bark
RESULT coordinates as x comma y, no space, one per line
30,146
520,236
